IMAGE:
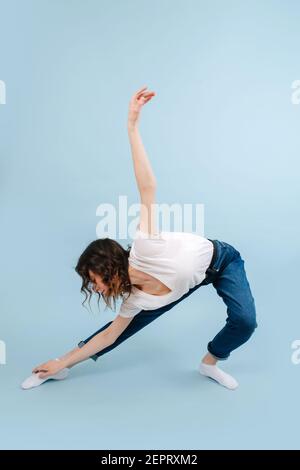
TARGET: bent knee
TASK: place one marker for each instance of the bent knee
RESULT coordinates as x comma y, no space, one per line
247,323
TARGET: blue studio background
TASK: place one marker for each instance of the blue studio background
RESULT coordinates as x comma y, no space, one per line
222,131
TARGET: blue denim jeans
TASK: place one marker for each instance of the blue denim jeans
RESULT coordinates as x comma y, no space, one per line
228,276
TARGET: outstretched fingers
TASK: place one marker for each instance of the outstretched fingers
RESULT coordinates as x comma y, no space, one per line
141,90
145,97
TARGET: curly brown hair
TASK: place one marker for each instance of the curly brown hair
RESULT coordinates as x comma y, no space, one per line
109,259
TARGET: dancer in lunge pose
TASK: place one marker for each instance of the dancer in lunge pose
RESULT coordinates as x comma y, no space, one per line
157,272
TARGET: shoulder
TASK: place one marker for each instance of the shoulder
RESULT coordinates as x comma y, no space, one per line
141,235
145,244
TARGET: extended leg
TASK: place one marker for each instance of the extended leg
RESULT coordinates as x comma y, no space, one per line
139,321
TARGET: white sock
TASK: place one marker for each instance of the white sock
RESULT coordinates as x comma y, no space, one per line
34,381
219,375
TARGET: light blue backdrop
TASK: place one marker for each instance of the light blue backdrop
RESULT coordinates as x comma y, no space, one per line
221,131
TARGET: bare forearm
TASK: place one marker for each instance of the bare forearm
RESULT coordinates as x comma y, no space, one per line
95,345
143,172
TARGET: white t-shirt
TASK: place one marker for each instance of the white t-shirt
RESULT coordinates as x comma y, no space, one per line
177,259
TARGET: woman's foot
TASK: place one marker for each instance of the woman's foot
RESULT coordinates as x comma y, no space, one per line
214,372
34,380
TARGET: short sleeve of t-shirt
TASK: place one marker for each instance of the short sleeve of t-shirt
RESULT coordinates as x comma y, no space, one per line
128,309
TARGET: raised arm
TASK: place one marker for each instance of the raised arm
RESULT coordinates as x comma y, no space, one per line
144,175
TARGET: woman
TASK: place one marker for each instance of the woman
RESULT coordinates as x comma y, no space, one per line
159,271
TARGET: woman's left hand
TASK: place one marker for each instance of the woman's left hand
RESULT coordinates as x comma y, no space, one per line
49,368
137,101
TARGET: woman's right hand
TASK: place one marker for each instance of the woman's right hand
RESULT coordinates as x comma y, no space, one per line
49,368
138,100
